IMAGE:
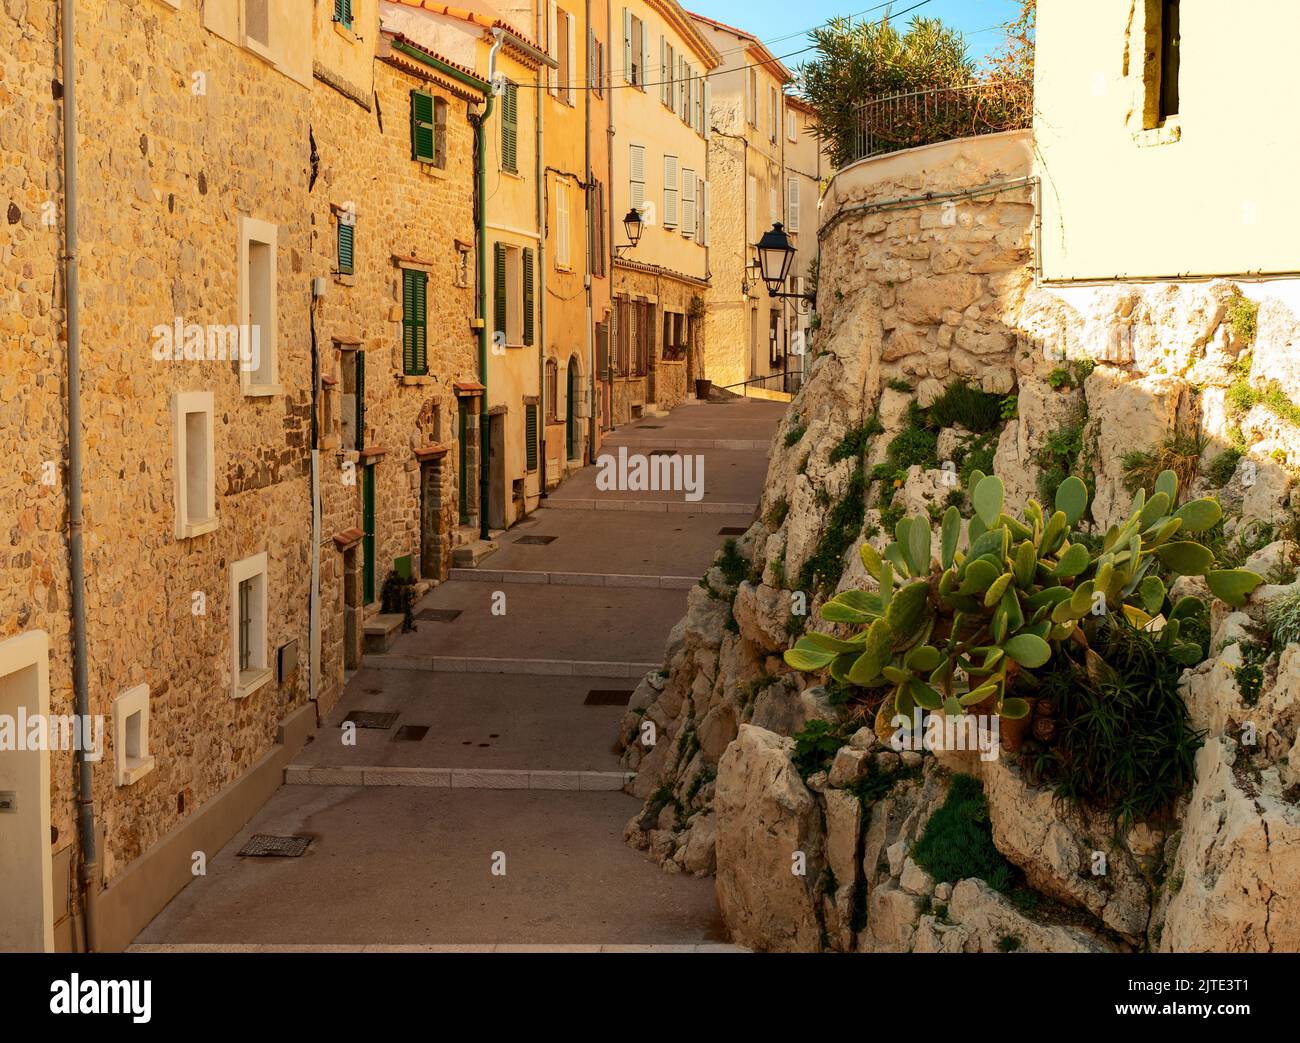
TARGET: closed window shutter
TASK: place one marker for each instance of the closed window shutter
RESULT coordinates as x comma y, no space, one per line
422,136
421,280
343,13
572,38
510,128
528,295
792,218
688,202
552,30
670,191
636,176
665,71
408,322
499,296
645,56
627,45
346,229
530,435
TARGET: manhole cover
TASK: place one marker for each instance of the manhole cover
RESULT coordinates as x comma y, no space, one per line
540,541
608,697
664,452
411,733
732,530
437,615
649,427
265,845
371,719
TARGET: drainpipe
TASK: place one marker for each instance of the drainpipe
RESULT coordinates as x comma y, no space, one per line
589,337
480,182
540,166
89,865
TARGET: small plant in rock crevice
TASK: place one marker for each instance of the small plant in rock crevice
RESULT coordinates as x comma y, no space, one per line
815,747
1180,453
970,407
1223,467
958,840
1284,619
795,433
1058,459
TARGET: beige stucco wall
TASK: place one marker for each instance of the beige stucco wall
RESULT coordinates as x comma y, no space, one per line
1118,202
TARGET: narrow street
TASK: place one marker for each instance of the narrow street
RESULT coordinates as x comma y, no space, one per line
500,824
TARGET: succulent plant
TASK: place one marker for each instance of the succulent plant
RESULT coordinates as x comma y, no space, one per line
970,629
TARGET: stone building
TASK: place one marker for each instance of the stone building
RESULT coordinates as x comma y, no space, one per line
659,166
393,236
195,433
764,168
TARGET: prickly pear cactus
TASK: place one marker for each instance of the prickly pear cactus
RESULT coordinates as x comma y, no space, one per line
970,629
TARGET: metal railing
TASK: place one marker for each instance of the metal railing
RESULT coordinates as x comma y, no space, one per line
899,121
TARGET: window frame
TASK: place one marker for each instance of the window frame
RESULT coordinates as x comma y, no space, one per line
184,405
262,233
131,704
244,682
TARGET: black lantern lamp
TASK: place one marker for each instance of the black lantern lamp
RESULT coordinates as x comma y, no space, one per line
775,256
633,226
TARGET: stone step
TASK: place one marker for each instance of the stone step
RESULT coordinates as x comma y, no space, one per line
381,631
490,665
574,579
659,506
467,556
745,445
450,947
458,778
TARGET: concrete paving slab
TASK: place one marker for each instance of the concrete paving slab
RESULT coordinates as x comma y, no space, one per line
391,866
723,476
475,721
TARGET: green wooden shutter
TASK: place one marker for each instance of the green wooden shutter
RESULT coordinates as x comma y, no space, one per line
360,399
421,323
343,13
528,296
499,297
345,244
530,434
510,128
422,145
414,323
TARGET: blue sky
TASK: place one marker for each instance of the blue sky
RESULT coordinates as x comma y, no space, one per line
770,19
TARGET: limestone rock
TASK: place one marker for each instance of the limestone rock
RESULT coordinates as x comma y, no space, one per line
981,920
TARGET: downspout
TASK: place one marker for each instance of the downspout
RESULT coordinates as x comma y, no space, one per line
589,339
608,375
541,214
89,866
480,154
480,183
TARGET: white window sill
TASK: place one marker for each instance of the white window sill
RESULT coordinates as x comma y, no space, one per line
135,769
263,390
261,50
345,32
251,680
189,530
1166,134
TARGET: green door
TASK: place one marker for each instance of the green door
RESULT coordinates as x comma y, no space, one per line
368,524
464,456
569,425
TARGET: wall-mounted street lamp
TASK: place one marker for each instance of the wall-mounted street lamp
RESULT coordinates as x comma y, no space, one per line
775,255
633,226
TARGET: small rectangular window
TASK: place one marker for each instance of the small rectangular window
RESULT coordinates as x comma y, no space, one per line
346,233
132,757
510,128
530,436
428,129
257,23
343,13
249,661
195,481
636,175
258,306
1170,42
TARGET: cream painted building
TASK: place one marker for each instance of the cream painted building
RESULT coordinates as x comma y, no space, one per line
659,97
757,183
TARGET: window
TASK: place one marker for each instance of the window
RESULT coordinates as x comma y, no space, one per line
554,77
774,337
131,755
689,216
428,129
563,249
792,205
552,390
622,335
667,68
513,311
415,334
774,114
773,203
343,13
346,221
791,125
751,98
530,435
596,217
510,128
195,476
636,175
352,401
565,52
674,343
596,65
257,26
1170,42
258,305
248,634
670,191
634,49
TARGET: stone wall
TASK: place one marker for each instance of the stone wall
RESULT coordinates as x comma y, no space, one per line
919,288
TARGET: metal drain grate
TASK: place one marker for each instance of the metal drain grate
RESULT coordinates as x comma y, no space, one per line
411,733
664,452
437,615
608,697
649,427
732,530
538,541
265,845
371,719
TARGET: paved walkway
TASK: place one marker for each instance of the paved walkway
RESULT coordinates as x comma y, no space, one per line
500,750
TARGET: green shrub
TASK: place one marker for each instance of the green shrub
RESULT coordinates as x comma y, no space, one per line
854,443
1284,619
1180,453
958,840
1223,467
843,526
969,406
733,566
898,384
1058,459
397,597
795,434
914,445
1243,317
815,747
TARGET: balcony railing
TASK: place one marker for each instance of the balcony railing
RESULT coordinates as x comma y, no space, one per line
898,121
